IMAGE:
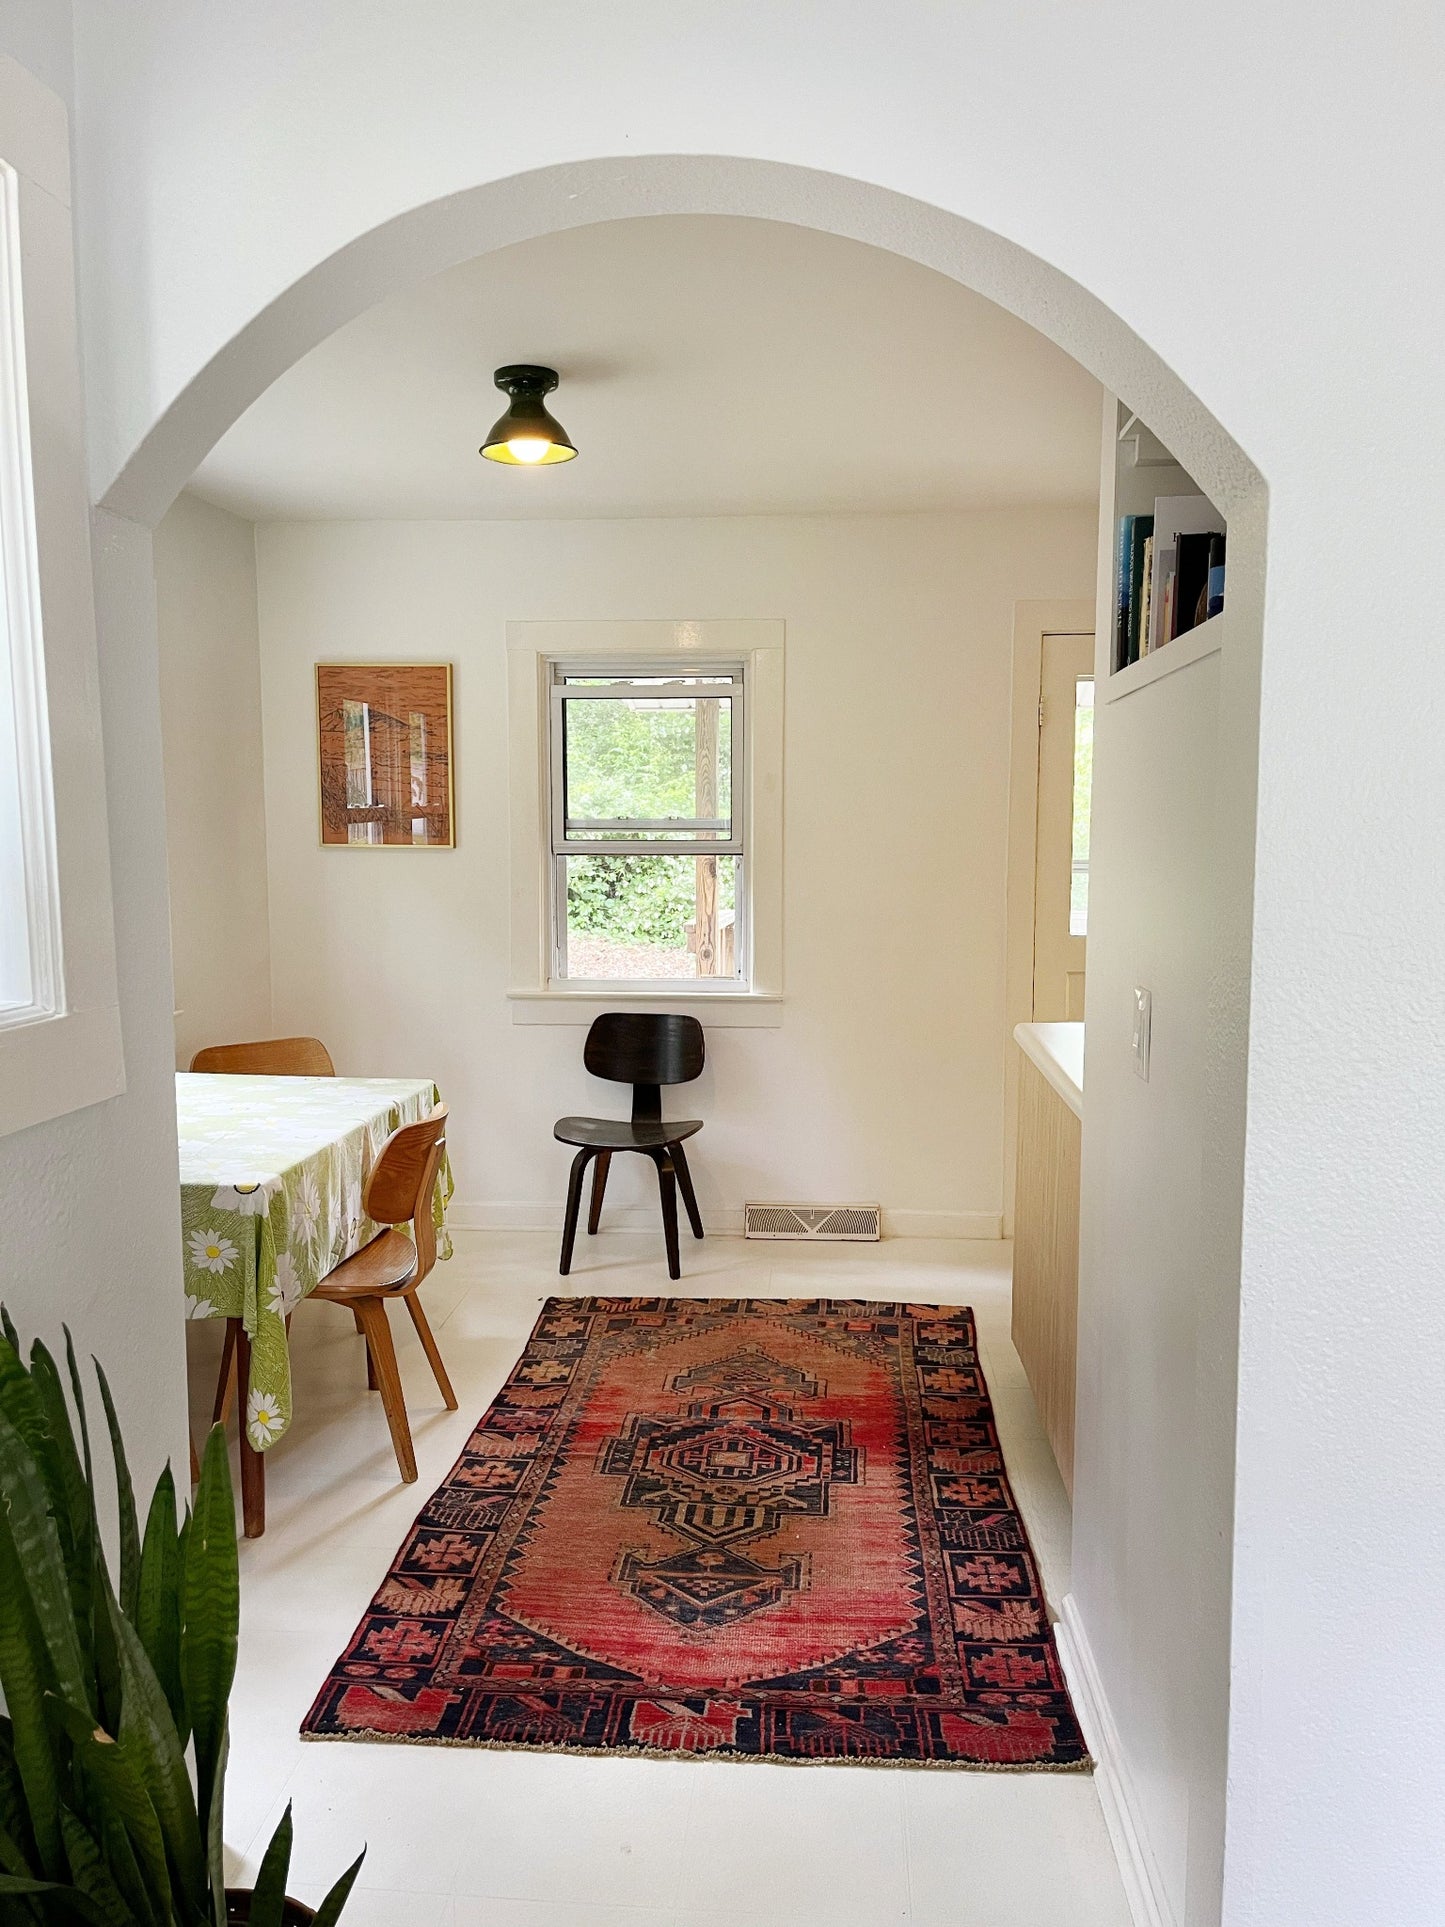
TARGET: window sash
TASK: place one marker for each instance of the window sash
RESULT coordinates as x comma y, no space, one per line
30,857
695,986
690,835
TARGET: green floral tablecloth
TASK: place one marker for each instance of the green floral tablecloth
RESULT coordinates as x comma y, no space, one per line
271,1176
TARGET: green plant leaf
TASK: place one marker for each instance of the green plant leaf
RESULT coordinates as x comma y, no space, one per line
268,1896
122,1795
36,1539
12,1859
14,1819
107,1659
120,1858
11,1335
74,1497
68,1897
24,1408
158,1603
211,1611
90,1873
329,1911
77,1392
26,1675
215,1832
149,1742
19,1400
125,1503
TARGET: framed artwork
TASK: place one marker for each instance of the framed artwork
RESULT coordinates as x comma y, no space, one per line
384,739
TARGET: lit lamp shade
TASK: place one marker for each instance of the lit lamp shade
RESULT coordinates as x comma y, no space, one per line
527,436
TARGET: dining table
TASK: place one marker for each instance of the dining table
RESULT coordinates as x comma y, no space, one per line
271,1175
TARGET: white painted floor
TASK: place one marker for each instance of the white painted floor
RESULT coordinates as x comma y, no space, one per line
467,1838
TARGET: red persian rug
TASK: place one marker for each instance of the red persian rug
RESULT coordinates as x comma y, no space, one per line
757,1528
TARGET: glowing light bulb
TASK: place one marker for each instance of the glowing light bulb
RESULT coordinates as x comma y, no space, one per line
528,448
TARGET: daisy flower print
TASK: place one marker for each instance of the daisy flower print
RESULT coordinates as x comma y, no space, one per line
263,1419
212,1251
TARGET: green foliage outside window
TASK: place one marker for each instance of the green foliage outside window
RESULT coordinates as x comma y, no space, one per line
626,760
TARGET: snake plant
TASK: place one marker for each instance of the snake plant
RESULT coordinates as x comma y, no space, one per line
113,1747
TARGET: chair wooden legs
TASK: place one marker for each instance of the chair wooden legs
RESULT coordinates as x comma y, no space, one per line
599,1186
372,1312
370,1367
574,1204
672,1176
226,1377
432,1350
667,1186
684,1184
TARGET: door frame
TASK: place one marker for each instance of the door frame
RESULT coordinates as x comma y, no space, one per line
1074,615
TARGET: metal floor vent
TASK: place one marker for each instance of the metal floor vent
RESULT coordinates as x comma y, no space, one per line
848,1223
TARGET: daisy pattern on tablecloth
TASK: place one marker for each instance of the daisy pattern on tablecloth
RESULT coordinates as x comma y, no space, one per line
285,1292
212,1251
353,1215
251,1200
307,1206
263,1419
197,1308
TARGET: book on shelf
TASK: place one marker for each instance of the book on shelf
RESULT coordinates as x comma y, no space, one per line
1215,602
1146,594
1128,585
1169,574
1191,570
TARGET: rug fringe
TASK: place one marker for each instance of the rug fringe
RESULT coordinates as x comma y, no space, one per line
367,1738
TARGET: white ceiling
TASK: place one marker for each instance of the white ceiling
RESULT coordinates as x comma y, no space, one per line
709,366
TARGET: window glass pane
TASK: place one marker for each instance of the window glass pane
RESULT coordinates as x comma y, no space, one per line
16,980
1083,797
653,918
650,761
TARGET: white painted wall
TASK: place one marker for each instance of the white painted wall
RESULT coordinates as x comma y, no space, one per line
210,676
884,1081
1152,1471
89,1213
1295,288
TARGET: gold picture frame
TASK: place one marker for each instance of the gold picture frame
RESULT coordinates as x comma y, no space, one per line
384,756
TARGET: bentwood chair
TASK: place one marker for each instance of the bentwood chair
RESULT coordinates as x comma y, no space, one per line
397,1192
646,1050
273,1057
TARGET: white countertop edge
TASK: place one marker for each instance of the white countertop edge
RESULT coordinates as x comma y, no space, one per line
1058,1051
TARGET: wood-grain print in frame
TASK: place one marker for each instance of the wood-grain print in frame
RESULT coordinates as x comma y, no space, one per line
384,732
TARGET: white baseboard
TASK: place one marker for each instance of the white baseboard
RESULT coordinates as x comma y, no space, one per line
987,1225
727,1222
1148,1903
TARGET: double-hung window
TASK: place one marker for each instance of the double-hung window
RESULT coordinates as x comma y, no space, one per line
60,1041
647,835
29,906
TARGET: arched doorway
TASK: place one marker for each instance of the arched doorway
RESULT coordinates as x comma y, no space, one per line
1115,1456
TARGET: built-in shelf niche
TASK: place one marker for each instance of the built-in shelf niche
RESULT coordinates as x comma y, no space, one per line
1151,486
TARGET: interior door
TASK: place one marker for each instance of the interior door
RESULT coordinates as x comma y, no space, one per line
1061,852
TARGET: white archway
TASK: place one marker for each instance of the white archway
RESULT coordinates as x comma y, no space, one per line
496,214
499,213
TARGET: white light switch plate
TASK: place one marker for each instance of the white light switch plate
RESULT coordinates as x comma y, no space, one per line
1143,1017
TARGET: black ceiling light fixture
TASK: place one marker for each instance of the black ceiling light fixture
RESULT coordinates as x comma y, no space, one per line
527,436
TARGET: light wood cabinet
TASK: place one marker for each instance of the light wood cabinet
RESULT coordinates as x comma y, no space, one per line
1046,1256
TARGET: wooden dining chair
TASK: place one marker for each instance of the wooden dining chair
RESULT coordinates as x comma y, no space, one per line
271,1057
645,1049
397,1192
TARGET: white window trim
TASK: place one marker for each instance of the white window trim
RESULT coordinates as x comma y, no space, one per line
64,1051
531,649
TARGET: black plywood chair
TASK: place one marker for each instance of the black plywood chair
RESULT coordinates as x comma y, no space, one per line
646,1050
